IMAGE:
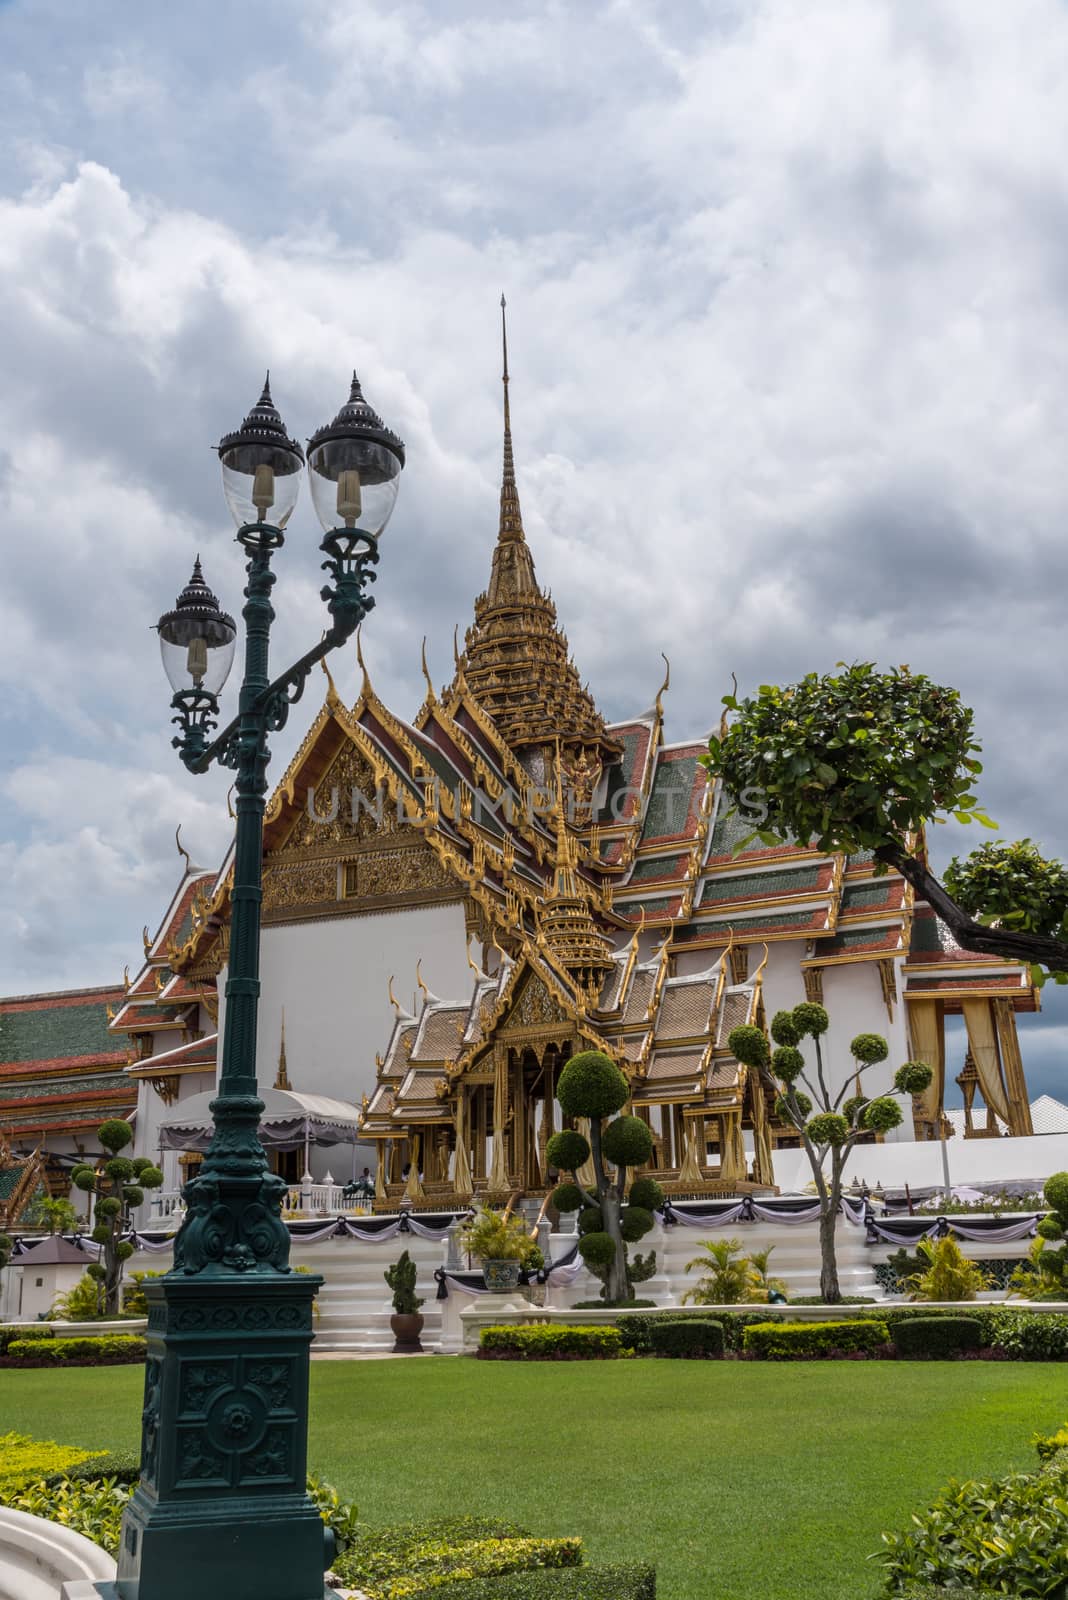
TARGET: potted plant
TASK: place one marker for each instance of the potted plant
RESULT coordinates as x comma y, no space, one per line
503,1245
406,1321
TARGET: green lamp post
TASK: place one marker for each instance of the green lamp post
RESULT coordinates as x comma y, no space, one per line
221,1510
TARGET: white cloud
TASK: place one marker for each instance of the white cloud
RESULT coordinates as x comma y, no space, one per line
787,300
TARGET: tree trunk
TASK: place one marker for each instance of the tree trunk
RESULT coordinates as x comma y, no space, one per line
829,1289
616,1278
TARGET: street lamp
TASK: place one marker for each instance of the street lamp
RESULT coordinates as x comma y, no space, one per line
221,1509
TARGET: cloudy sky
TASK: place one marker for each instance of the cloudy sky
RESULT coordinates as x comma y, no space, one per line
788,291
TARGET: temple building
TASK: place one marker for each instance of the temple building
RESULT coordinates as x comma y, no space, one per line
456,903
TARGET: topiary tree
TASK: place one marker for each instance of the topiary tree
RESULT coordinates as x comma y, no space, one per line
401,1279
118,1186
861,760
829,1124
592,1086
1044,1276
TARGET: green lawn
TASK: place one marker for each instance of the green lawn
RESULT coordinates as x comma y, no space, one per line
741,1481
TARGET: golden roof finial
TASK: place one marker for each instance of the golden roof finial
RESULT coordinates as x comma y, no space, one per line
332,697
759,973
511,523
182,851
145,940
639,930
475,968
231,813
431,697
366,689
663,689
419,979
394,1002
281,1077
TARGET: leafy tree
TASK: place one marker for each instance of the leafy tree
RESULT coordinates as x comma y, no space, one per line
862,760
57,1215
118,1186
829,1123
592,1086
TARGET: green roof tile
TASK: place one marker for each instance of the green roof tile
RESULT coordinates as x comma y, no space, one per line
49,1088
760,885
669,803
861,899
654,867
52,1032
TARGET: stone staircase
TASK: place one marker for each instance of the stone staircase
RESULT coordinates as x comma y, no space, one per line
354,1301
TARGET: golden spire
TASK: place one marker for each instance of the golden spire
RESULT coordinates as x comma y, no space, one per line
281,1078
511,524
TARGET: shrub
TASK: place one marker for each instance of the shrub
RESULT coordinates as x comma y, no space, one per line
590,1220
9,1335
636,1330
727,1278
939,1337
399,1563
134,1303
1049,1444
1006,1535
547,1342
688,1336
77,1352
22,1460
949,1275
802,1341
619,1582
124,1466
846,1300
1029,1336
81,1302
92,1507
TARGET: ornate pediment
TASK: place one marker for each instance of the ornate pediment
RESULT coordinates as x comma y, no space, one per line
347,805
534,1006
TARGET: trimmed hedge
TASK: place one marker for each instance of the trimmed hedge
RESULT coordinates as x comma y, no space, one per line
76,1352
637,1329
10,1334
122,1465
803,1341
938,1337
397,1563
623,1582
545,1342
691,1337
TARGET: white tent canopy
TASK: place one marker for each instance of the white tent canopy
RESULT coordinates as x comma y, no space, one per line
290,1121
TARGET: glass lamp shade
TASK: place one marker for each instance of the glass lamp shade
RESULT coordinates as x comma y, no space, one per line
196,639
261,466
354,466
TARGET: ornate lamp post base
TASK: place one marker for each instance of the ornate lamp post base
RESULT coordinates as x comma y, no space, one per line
222,1512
